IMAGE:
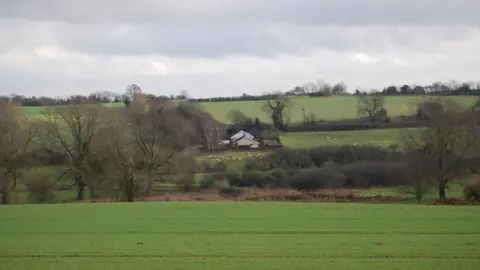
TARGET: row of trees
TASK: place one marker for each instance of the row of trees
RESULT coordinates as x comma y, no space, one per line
126,149
312,89
94,98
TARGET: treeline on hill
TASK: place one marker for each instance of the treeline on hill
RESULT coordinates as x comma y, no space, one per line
318,89
371,114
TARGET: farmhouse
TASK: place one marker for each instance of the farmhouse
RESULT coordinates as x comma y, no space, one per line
241,134
244,139
247,142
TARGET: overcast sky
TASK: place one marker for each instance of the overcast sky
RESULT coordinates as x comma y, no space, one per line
230,47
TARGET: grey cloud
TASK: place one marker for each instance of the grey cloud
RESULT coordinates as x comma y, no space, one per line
217,40
346,12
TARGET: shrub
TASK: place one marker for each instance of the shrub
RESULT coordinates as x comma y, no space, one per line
220,167
260,164
254,179
374,173
235,178
268,180
207,181
427,110
318,178
213,180
472,191
381,116
40,191
217,167
185,181
230,191
281,178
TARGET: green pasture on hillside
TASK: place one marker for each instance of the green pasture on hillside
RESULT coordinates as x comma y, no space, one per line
326,108
236,235
373,137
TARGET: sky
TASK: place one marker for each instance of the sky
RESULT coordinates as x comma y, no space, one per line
229,47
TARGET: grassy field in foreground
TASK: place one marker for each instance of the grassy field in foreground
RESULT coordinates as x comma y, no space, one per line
239,236
326,108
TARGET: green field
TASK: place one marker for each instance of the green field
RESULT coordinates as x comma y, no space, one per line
238,235
377,137
326,108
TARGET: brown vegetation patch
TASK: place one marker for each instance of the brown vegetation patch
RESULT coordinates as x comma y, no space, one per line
453,201
257,194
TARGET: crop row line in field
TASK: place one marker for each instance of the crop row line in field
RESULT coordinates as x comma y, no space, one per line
244,255
143,232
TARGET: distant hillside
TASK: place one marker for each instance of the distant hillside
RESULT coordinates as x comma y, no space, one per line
326,108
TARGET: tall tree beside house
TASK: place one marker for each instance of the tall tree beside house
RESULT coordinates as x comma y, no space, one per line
278,109
208,132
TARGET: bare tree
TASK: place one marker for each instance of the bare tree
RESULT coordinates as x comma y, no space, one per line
310,88
159,132
184,169
207,131
324,87
445,144
123,157
278,108
132,91
339,88
16,135
418,182
74,130
370,106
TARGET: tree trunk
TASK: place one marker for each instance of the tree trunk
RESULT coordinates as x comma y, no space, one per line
80,186
93,194
6,196
80,192
441,191
130,190
148,191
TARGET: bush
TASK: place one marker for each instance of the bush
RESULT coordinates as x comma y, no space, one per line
255,179
261,164
207,181
269,180
40,191
185,182
374,173
235,178
318,178
281,178
230,191
217,167
472,191
213,180
381,116
427,110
